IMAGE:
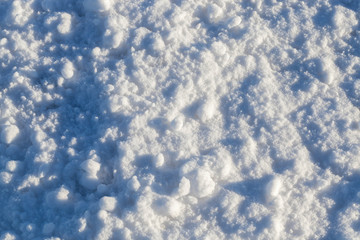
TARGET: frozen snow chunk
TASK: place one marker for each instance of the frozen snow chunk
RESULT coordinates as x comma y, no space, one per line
48,228
5,177
273,188
60,81
213,13
202,185
206,110
91,167
168,207
344,21
30,227
38,136
20,12
98,5
58,197
184,187
328,70
108,203
234,22
102,215
158,160
13,166
96,52
133,184
62,194
64,26
9,133
218,48
8,236
89,178
177,124
3,41
29,181
67,70
113,39
82,224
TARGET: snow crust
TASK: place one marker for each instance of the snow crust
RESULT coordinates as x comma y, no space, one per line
179,119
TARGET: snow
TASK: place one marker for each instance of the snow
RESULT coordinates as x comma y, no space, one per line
133,184
107,203
273,188
67,70
202,185
206,110
97,5
64,26
90,172
8,236
9,133
159,160
184,187
169,207
171,119
13,166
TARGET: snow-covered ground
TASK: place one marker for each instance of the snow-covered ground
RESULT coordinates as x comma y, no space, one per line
179,119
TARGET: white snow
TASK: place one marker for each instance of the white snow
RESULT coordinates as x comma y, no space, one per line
133,184
214,13
89,178
64,26
20,12
202,185
158,160
13,166
169,207
67,70
62,194
273,188
234,22
9,133
184,187
344,21
206,110
5,177
108,203
177,123
8,236
172,119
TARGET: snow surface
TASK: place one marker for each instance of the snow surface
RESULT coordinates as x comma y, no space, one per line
179,119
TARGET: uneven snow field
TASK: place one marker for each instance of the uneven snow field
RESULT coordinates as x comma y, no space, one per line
179,119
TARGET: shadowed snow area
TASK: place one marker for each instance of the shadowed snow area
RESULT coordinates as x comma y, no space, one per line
179,119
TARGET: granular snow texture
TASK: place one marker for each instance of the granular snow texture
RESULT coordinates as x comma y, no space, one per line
179,119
